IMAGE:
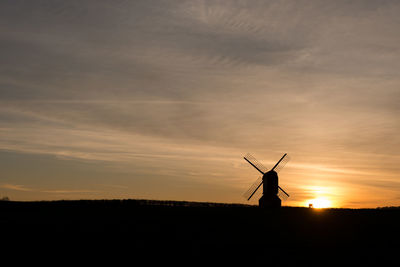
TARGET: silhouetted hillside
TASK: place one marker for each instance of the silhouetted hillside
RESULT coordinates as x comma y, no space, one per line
179,228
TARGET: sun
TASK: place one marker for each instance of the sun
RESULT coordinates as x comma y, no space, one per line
320,203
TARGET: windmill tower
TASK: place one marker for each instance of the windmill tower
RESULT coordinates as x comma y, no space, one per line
272,192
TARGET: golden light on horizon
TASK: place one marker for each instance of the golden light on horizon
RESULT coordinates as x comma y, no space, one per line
320,203
322,196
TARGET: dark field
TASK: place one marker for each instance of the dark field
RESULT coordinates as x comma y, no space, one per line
168,230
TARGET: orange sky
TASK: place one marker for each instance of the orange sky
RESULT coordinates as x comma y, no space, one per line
162,101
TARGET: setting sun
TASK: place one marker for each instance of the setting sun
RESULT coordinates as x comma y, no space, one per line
320,203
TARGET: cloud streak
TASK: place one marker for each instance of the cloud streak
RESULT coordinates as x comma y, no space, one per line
15,187
23,188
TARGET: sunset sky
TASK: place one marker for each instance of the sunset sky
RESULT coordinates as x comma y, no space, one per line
162,99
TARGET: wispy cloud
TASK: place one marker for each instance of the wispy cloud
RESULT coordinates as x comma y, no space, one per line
15,187
69,191
37,190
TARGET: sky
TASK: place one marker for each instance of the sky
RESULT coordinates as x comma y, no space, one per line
162,99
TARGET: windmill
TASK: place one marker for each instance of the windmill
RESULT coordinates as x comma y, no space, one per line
272,192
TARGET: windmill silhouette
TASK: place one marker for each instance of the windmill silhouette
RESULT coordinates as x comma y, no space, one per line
272,192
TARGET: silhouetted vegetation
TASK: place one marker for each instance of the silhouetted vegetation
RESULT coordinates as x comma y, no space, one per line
389,208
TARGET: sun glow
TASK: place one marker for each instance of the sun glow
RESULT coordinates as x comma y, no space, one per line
320,203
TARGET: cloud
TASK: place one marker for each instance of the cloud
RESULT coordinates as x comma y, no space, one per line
15,187
68,191
208,81
52,191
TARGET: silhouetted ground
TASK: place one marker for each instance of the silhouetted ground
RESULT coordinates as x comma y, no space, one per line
168,231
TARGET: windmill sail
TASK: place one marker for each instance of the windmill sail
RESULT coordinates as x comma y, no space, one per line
281,163
283,191
250,192
282,194
255,163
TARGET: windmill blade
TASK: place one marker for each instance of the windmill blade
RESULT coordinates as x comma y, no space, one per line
281,163
283,191
282,195
253,188
257,195
255,163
